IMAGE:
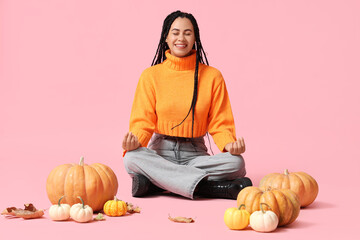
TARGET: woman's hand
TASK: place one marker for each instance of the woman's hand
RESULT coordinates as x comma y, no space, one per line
130,142
237,147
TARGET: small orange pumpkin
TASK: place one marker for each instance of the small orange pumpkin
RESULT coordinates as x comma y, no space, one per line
301,183
283,202
115,208
95,183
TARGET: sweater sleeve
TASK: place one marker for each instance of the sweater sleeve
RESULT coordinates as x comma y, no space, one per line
143,116
221,120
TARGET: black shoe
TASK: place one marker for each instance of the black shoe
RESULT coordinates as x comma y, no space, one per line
223,189
142,186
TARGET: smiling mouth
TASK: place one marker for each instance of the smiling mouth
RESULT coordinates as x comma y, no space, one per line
181,46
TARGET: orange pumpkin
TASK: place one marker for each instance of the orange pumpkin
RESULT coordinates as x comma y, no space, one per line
301,183
115,208
283,202
95,184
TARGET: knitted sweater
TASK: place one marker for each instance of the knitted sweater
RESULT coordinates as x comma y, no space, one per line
163,98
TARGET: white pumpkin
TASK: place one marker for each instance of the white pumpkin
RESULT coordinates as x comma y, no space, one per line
59,212
80,212
264,221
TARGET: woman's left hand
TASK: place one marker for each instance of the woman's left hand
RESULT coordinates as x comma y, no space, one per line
130,142
237,147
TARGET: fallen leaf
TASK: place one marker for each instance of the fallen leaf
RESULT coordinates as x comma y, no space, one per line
132,209
28,212
99,217
181,219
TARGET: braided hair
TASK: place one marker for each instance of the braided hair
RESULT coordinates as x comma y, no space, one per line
200,53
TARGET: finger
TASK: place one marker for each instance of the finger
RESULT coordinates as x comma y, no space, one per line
235,150
239,142
243,144
133,141
229,147
125,137
136,138
124,141
128,140
242,141
238,147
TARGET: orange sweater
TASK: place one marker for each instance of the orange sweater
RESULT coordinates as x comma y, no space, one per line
163,97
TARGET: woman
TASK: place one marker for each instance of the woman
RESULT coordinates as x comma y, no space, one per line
179,83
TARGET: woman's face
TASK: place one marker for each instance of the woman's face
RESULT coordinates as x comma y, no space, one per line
181,37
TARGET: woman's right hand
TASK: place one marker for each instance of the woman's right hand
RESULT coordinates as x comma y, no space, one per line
237,147
130,142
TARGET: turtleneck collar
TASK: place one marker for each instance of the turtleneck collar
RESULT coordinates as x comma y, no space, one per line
180,64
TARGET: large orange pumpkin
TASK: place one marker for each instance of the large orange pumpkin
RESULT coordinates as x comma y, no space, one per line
301,183
283,202
96,184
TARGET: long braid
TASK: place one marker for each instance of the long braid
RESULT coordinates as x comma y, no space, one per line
162,47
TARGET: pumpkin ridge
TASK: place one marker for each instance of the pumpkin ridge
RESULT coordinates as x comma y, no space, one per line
297,186
256,202
69,186
63,193
310,185
268,197
107,170
79,186
266,181
94,166
277,181
287,211
111,209
107,176
95,188
294,202
53,182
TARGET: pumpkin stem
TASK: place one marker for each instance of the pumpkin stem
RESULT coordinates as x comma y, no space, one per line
286,172
60,200
115,199
81,163
82,201
242,205
262,210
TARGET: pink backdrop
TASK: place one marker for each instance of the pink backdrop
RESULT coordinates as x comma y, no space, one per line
68,72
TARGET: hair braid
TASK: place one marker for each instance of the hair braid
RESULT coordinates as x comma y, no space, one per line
200,53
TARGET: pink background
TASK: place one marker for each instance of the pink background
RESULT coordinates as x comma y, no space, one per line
68,72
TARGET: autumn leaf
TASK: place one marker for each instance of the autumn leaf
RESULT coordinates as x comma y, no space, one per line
181,219
28,212
99,217
132,209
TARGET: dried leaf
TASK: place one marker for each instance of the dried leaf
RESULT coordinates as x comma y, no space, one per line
99,217
29,212
181,219
30,207
133,209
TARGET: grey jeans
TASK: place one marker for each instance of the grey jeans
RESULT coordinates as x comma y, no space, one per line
179,164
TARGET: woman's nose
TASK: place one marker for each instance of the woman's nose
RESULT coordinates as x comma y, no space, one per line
181,37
